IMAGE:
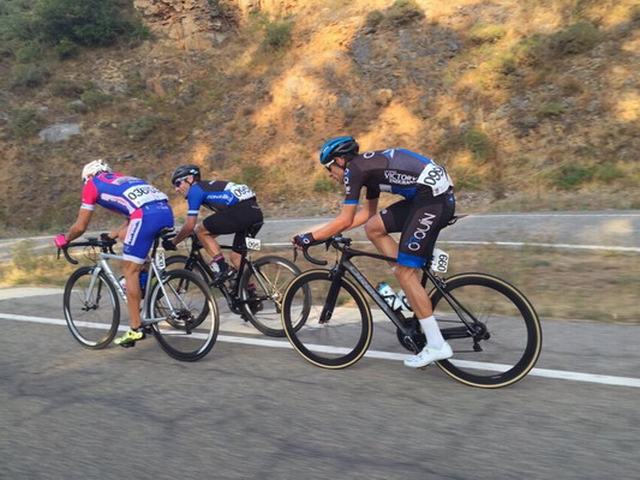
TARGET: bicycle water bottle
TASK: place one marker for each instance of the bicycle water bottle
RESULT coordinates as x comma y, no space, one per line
389,296
144,275
404,301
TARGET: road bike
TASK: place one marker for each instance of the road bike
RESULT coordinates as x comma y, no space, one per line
255,290
177,307
492,328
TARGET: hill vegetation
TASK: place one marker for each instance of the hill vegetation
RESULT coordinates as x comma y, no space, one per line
529,104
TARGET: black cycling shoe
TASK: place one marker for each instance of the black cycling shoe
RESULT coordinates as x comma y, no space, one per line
220,277
255,305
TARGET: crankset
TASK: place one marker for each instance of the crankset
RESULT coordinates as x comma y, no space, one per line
413,342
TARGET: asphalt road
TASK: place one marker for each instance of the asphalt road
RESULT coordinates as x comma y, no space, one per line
250,411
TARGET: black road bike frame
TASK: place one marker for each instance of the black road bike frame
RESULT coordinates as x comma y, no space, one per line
408,327
232,295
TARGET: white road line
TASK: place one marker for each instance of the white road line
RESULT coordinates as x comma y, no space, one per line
537,372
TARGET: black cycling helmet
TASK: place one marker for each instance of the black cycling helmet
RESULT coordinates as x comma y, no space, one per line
337,147
184,171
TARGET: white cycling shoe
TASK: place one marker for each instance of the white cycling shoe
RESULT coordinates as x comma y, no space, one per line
428,355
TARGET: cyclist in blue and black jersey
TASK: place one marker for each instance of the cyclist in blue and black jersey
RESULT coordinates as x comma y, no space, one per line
427,207
235,209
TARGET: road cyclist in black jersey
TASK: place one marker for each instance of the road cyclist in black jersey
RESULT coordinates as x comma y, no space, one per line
235,210
428,206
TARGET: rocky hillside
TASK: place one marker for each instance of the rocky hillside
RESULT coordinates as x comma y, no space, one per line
529,104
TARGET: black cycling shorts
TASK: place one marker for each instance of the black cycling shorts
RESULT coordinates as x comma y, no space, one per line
236,219
420,221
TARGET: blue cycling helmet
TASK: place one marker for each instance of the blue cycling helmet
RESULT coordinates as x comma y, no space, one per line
337,147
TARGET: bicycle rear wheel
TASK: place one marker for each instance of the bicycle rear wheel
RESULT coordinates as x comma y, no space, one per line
345,334
92,312
509,336
189,317
262,290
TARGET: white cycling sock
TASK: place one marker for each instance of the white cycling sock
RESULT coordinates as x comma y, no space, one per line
432,331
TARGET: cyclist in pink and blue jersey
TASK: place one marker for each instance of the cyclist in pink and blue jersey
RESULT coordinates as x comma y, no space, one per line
147,211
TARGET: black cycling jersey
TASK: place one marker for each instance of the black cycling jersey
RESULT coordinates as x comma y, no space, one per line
395,170
216,195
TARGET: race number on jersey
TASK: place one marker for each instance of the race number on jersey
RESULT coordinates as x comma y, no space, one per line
435,177
142,194
241,192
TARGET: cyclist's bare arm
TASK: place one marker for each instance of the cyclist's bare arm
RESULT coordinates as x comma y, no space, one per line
187,228
343,221
80,225
369,209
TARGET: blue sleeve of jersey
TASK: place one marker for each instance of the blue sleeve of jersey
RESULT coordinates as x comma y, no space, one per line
195,197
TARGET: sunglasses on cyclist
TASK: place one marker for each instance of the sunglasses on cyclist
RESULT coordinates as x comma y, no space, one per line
328,165
178,182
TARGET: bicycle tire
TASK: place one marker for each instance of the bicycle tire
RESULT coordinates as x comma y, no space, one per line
180,333
180,261
478,291
269,292
81,327
349,328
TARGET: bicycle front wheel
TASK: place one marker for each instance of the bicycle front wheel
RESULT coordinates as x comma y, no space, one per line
338,327
91,308
262,290
184,317
508,339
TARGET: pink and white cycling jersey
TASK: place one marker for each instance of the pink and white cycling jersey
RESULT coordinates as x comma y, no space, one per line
119,193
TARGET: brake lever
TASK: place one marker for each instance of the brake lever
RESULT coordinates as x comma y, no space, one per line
295,254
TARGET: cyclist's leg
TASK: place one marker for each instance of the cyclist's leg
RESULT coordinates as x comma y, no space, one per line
428,215
388,220
144,225
208,239
248,214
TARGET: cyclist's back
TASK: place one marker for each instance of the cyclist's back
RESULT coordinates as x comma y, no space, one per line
395,170
119,193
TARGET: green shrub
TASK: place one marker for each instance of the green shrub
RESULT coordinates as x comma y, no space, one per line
250,175
486,33
569,177
95,98
478,143
66,49
402,12
577,38
86,22
278,35
530,51
374,18
551,109
28,75
25,122
141,128
607,173
29,52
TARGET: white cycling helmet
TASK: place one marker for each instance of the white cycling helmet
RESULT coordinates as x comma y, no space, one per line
93,168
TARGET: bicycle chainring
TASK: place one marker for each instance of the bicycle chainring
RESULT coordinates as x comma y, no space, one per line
415,343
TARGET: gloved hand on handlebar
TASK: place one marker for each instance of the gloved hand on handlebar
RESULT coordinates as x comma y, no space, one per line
105,237
60,240
168,244
304,240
